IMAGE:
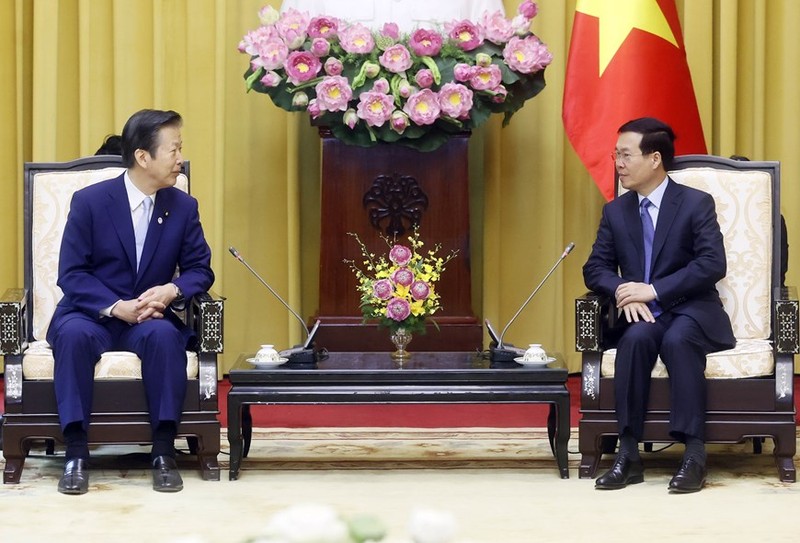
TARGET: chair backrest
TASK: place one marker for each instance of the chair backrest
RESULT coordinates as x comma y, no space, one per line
48,192
747,199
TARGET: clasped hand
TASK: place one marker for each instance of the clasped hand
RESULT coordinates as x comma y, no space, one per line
151,304
632,299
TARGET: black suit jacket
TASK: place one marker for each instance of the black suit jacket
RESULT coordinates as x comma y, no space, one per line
688,256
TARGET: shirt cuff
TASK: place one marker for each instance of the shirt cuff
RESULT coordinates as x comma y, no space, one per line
107,311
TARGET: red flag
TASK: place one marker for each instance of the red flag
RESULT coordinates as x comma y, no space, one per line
626,60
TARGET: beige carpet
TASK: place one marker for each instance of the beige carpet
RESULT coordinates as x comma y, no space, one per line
500,486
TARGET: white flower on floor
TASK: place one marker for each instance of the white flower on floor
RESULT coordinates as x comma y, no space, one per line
432,526
307,523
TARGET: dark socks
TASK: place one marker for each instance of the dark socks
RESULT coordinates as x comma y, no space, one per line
77,441
696,448
628,446
164,439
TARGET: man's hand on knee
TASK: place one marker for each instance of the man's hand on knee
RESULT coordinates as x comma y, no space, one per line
638,311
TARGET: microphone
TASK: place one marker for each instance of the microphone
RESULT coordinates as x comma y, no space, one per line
503,354
238,257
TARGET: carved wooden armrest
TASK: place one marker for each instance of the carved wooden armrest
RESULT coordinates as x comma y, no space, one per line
786,343
590,312
13,321
204,314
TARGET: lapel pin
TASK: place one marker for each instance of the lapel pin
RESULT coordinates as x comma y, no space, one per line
166,213
160,220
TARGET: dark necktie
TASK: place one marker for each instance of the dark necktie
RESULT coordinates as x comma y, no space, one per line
648,232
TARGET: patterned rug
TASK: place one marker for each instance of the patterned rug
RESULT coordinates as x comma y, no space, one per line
501,486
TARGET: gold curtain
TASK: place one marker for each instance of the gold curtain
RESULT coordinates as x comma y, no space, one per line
72,72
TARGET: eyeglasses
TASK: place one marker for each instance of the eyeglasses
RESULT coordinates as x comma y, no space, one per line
625,158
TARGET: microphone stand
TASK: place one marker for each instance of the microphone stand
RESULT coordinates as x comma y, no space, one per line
297,355
499,353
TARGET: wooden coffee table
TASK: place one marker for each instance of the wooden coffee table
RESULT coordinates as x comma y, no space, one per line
365,378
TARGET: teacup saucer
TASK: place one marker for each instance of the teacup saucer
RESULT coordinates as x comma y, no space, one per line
534,363
267,363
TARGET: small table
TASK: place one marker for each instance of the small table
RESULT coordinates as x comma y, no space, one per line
363,378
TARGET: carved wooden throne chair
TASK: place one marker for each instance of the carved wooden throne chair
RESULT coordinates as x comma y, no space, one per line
119,413
750,387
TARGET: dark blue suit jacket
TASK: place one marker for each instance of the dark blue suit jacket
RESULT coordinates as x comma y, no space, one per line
97,264
688,256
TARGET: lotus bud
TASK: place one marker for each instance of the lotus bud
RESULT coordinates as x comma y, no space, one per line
350,118
333,66
483,60
268,15
399,121
300,99
371,69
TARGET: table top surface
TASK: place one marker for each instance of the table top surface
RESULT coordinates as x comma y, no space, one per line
380,367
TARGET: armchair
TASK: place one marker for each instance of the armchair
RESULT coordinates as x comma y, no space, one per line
119,412
750,387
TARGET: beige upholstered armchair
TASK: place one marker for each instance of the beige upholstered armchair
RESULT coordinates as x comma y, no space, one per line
750,387
120,410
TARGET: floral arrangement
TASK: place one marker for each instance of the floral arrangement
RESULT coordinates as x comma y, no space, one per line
400,291
320,523
416,89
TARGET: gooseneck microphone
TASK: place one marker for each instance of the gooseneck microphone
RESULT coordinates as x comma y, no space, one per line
567,250
238,257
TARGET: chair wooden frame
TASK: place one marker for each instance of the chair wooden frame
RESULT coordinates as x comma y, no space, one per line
737,409
119,413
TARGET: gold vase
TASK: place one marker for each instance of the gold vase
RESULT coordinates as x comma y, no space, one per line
401,338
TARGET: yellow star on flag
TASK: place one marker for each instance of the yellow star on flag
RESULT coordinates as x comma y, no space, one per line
618,17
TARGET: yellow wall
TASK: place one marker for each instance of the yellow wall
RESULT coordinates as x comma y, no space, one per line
72,71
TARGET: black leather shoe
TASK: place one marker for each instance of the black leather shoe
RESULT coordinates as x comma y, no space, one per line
624,472
75,479
165,475
690,477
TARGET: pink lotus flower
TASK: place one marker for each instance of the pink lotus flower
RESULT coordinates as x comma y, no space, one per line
391,31
320,47
420,290
467,35
425,42
382,289
526,55
455,100
424,78
423,107
398,309
313,109
272,53
521,25
399,121
292,26
528,9
333,93
271,79
462,72
486,78
396,59
357,38
350,118
403,276
499,94
333,66
498,29
323,27
381,85
301,66
400,255
375,107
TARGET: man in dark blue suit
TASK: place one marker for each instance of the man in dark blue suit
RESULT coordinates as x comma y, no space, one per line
123,243
659,253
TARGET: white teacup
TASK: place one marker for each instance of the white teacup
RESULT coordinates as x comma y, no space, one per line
267,353
535,353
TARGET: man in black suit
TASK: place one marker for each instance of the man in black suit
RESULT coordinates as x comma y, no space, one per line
659,252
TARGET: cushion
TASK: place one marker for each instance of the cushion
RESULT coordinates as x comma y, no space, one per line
52,194
750,358
37,363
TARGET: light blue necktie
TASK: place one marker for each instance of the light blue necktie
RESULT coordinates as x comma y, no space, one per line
648,232
140,231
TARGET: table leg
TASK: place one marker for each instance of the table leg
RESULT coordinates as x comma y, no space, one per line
562,433
234,436
247,428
